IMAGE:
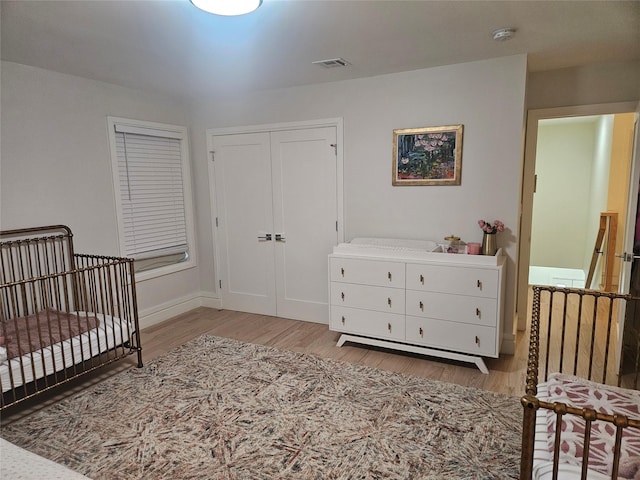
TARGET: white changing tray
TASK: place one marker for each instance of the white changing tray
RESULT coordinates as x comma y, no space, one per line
426,250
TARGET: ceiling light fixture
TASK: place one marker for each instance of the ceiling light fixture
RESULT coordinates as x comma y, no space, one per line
227,8
503,34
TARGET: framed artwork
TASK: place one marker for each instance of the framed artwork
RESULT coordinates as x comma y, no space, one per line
427,156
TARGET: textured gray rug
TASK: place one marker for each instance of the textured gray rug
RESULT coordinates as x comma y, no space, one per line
220,409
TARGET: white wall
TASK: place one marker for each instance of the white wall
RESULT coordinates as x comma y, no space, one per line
487,97
584,85
573,157
564,166
56,165
599,189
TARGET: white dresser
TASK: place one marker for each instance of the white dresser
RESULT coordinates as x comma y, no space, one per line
405,296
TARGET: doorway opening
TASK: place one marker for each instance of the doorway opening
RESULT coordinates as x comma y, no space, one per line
582,171
526,234
596,191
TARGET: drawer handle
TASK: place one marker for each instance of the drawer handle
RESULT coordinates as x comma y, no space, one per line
389,327
389,301
421,307
389,275
342,295
422,279
477,341
343,319
478,312
421,332
479,284
342,271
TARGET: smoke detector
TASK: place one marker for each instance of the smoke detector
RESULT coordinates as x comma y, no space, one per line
503,34
332,63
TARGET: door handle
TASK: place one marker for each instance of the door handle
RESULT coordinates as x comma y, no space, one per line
279,237
627,257
265,238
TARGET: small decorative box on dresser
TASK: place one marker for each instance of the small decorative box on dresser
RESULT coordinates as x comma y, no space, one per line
407,295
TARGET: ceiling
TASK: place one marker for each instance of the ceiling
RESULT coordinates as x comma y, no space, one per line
169,46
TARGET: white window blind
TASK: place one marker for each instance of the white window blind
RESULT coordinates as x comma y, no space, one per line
152,197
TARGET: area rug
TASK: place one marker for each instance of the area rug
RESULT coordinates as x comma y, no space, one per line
217,408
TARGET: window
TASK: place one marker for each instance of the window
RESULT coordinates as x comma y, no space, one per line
153,196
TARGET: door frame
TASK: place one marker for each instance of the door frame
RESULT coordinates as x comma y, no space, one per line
630,228
337,122
528,185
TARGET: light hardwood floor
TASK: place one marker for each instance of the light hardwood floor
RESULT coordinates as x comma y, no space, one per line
506,374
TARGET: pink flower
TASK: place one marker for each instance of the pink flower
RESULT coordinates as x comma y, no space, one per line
486,227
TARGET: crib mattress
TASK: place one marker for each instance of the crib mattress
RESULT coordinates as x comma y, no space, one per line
111,332
581,393
20,464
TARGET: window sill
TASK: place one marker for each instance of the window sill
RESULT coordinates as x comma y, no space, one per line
162,271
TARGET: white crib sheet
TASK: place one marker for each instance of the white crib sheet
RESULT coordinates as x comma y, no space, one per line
19,464
111,332
542,456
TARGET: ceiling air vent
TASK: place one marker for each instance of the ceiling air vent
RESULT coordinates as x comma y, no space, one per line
332,63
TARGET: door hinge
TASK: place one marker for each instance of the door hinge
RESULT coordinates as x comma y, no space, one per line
220,283
216,221
336,225
335,148
535,183
213,156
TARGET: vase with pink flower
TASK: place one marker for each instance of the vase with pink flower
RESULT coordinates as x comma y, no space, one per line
490,230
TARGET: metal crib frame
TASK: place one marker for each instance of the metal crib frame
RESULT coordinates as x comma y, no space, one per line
575,318
39,270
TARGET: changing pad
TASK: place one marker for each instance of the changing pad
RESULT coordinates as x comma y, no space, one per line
397,244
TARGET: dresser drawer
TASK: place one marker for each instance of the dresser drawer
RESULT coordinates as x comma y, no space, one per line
367,272
365,322
479,282
382,299
459,337
457,308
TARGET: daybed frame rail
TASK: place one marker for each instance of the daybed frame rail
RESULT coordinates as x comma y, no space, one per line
570,324
41,276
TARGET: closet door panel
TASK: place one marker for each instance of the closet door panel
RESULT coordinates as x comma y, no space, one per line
304,176
242,170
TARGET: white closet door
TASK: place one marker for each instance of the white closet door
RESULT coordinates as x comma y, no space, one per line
304,172
242,169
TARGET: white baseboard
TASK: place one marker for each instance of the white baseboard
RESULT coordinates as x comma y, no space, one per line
167,310
508,346
210,302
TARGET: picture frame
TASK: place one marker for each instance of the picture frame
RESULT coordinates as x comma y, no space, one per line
427,156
